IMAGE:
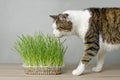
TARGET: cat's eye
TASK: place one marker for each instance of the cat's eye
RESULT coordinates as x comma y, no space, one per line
59,28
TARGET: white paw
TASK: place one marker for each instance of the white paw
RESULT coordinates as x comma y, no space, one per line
80,69
76,72
96,69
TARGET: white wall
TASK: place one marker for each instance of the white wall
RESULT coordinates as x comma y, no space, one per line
30,16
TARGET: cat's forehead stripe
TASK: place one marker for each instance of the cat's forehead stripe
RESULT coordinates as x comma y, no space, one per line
63,24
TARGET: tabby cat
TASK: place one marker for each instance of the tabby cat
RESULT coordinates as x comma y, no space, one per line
99,29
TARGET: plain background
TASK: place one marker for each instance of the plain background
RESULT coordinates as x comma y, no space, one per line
30,16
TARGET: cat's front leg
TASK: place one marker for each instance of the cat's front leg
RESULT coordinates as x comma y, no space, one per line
91,49
79,70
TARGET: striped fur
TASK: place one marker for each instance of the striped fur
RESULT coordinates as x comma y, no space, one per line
104,22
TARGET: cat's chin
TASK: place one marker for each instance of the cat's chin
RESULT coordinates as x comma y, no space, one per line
59,36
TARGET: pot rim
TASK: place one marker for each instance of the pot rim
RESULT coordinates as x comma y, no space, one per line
42,66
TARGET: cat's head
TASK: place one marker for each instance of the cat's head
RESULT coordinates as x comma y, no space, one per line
62,25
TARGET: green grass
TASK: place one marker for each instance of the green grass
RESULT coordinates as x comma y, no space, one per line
40,50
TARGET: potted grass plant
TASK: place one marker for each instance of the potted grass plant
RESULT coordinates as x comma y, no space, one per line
40,54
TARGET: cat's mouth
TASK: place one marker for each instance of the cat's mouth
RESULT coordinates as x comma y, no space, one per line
59,36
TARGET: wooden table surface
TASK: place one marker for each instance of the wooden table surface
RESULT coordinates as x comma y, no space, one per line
16,72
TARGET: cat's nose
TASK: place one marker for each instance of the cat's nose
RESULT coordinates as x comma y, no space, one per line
54,35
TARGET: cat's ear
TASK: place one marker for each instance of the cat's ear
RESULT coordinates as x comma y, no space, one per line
54,16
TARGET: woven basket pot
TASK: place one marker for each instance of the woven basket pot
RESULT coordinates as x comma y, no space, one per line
43,70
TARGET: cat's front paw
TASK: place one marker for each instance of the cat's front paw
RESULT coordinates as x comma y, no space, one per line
77,72
97,69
